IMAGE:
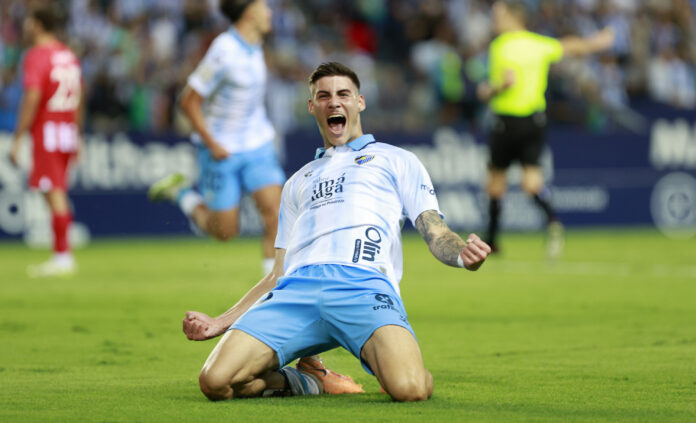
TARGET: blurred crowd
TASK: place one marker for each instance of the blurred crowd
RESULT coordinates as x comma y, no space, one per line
419,60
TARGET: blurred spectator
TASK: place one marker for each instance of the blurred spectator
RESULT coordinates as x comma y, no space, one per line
671,79
422,57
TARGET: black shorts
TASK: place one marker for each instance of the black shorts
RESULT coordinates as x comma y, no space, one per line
516,138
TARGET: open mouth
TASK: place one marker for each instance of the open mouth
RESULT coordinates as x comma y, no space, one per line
336,123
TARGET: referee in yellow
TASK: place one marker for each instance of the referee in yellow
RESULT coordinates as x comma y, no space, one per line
519,63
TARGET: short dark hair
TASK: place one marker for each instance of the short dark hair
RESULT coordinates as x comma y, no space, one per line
49,16
233,9
333,69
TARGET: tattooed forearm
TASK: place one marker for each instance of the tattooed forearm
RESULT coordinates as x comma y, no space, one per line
443,243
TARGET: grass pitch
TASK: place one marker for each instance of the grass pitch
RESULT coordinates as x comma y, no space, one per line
608,333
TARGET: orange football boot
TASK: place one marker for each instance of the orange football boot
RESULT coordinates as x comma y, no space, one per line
333,382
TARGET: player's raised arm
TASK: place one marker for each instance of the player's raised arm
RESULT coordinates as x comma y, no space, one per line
199,326
447,246
582,46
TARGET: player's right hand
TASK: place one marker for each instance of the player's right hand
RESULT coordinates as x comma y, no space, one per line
199,326
14,154
218,152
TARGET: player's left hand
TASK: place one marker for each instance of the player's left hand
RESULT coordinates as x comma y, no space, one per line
475,252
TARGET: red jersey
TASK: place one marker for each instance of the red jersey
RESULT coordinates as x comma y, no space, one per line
55,71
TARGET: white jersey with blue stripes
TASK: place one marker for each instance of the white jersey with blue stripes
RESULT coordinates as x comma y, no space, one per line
232,80
348,207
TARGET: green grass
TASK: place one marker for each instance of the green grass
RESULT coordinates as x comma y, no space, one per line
607,334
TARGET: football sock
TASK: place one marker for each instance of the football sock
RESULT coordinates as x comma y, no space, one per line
267,265
299,382
64,258
60,224
493,219
543,201
188,199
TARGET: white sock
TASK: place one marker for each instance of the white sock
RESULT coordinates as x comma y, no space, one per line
267,265
64,258
299,382
189,200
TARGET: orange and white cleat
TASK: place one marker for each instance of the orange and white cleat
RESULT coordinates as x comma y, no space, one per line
333,382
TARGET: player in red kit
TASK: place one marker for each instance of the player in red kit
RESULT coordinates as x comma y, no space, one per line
51,111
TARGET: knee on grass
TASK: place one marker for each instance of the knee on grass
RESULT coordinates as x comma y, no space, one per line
409,389
217,387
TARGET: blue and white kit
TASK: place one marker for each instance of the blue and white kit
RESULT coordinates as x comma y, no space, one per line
231,78
340,223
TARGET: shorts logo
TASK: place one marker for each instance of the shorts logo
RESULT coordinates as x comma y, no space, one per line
384,299
369,247
364,159
268,297
386,303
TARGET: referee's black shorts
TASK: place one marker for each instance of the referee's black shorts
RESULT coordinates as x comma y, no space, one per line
515,138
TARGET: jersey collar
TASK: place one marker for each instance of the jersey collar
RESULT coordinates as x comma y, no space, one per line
357,145
244,43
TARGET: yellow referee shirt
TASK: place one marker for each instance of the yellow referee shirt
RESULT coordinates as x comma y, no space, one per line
529,56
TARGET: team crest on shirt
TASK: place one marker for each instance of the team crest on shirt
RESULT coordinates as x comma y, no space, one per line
364,159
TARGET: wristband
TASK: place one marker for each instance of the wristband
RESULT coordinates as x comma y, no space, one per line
460,260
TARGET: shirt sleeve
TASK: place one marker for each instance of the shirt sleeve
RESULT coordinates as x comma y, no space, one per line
211,71
554,49
415,188
287,216
33,71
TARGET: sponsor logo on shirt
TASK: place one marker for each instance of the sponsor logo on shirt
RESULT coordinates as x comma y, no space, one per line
367,249
364,159
427,188
325,188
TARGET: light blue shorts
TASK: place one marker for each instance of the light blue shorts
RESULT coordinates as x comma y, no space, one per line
221,183
321,307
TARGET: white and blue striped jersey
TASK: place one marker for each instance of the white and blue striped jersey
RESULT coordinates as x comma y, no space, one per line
232,80
348,207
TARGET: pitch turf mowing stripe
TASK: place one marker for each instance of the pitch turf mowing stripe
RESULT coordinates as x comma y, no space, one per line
604,335
595,268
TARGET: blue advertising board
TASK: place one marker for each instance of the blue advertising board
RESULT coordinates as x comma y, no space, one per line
598,179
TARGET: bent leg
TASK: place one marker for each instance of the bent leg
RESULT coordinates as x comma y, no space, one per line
61,219
533,184
223,224
268,203
57,200
395,358
497,183
496,187
532,179
239,366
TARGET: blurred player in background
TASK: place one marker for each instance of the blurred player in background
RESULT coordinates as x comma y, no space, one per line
519,63
224,101
338,264
51,110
